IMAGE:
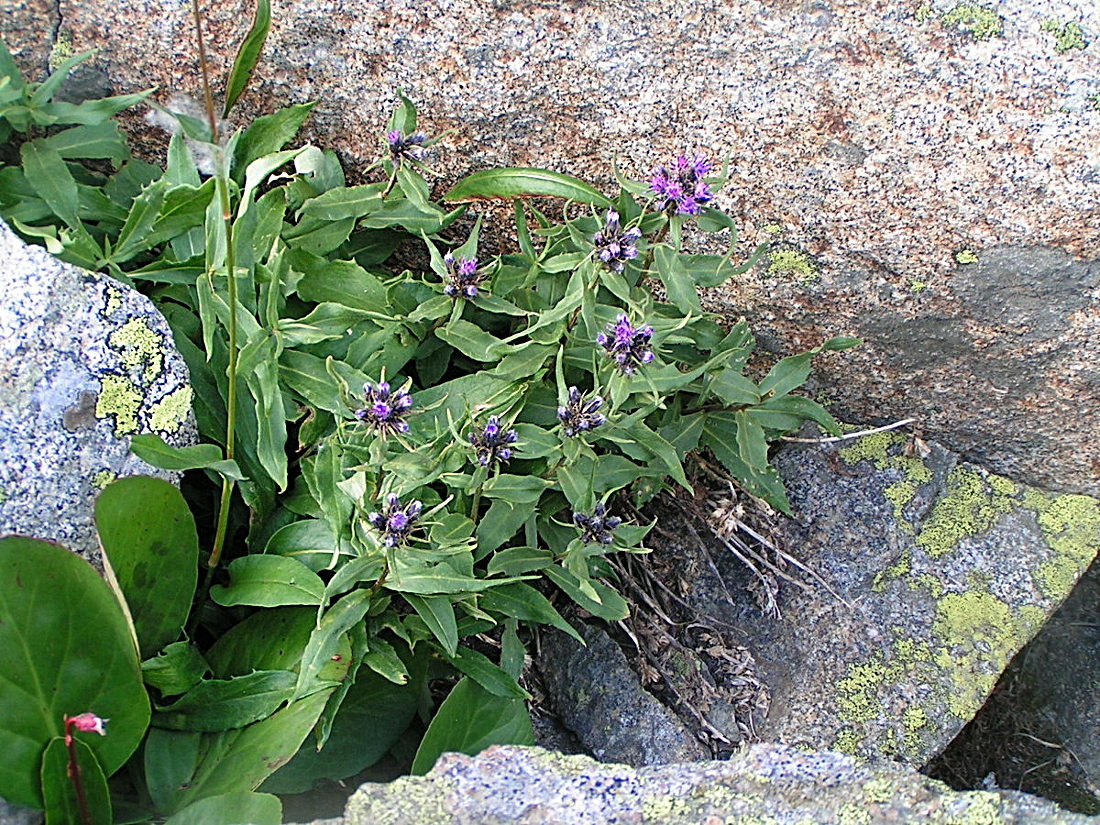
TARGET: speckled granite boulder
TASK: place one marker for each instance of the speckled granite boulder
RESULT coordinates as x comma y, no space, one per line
945,572
766,785
928,171
85,362
599,698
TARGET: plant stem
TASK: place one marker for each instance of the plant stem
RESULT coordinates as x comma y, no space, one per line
221,175
77,778
231,400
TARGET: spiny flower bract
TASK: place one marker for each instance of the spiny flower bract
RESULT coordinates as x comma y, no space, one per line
597,528
682,185
385,409
395,522
626,345
493,444
463,279
614,245
581,412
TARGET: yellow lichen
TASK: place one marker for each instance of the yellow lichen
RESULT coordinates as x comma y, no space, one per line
1071,527
113,302
852,814
968,507
119,397
982,23
792,262
168,414
984,808
847,741
103,478
914,719
878,790
966,256
979,634
903,567
140,348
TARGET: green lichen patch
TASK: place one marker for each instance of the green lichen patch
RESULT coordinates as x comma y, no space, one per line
884,450
140,347
112,301
914,719
847,741
924,13
969,506
168,414
903,567
980,22
983,808
104,477
917,287
119,398
878,790
792,263
1067,36
966,256
852,814
1071,527
979,634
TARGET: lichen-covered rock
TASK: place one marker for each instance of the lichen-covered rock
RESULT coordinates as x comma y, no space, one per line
926,172
599,698
765,785
85,362
941,571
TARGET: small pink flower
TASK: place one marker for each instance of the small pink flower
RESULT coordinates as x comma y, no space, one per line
87,722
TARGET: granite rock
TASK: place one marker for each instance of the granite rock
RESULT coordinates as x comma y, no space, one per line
765,784
85,362
926,173
940,573
598,697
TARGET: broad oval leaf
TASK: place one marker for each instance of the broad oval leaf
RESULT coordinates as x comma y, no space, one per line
148,534
269,581
470,720
520,182
62,804
231,809
65,648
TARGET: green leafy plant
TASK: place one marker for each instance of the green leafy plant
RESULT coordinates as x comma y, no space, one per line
404,465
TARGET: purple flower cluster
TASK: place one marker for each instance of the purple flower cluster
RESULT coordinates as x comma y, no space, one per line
406,147
597,528
385,409
613,245
396,522
493,444
580,413
462,276
682,186
626,345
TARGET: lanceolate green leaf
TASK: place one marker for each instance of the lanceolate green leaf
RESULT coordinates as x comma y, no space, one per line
509,184
65,648
248,55
223,704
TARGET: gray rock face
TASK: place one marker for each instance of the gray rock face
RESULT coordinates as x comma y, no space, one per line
941,571
1060,674
599,698
879,145
766,784
17,815
85,362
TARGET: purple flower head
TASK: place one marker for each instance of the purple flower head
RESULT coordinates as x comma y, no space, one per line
395,522
614,246
493,444
683,186
581,413
406,147
463,278
597,528
384,409
626,345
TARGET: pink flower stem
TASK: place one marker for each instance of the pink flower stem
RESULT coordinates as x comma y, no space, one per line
75,774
